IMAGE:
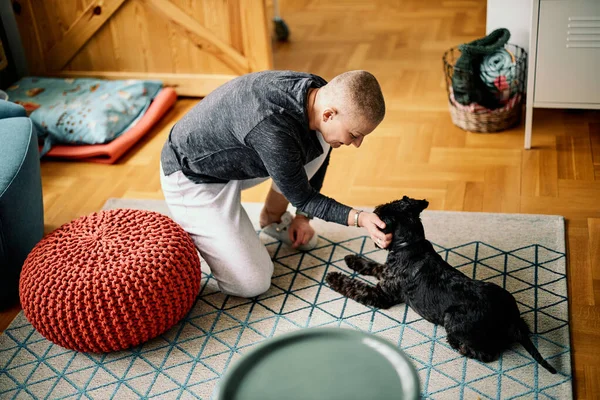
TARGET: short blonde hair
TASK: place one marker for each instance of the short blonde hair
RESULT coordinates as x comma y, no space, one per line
361,92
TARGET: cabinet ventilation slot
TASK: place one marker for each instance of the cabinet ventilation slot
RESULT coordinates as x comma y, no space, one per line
583,32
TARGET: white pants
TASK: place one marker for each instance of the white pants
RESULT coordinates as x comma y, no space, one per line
213,215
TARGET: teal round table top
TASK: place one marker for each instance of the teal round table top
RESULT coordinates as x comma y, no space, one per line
321,363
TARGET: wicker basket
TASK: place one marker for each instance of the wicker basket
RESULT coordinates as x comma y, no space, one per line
475,118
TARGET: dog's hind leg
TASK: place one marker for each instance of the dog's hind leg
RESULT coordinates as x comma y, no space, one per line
465,348
368,295
364,266
461,337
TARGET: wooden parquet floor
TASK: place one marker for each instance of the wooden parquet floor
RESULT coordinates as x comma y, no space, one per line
416,151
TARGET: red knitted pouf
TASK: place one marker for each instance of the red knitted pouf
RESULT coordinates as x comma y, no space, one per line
110,280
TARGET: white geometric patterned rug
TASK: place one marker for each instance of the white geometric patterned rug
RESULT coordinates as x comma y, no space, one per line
524,253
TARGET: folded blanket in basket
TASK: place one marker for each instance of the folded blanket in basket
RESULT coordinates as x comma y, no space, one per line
82,111
498,72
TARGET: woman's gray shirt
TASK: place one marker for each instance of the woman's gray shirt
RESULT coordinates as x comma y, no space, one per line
255,126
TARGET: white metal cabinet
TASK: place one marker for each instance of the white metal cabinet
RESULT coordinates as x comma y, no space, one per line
564,57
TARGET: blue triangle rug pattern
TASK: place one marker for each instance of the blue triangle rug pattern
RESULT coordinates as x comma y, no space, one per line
187,361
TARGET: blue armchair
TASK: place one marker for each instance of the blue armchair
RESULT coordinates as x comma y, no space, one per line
21,206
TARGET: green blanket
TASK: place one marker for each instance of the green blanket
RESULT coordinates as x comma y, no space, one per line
466,81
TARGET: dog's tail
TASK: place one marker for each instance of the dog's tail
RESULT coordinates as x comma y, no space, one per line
523,338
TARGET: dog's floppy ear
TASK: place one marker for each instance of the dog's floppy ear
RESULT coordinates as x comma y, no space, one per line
390,223
388,213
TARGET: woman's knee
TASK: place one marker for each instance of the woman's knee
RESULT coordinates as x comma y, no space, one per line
255,289
250,285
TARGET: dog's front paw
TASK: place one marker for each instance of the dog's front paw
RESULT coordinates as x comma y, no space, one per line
353,261
335,280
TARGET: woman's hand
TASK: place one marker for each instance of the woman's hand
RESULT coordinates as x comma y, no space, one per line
300,231
373,224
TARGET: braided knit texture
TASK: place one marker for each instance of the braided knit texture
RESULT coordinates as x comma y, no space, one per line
110,280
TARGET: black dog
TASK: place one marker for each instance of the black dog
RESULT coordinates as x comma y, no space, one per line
481,318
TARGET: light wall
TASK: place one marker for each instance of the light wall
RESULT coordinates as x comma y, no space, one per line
514,15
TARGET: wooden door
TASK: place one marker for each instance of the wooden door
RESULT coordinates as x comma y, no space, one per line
191,45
